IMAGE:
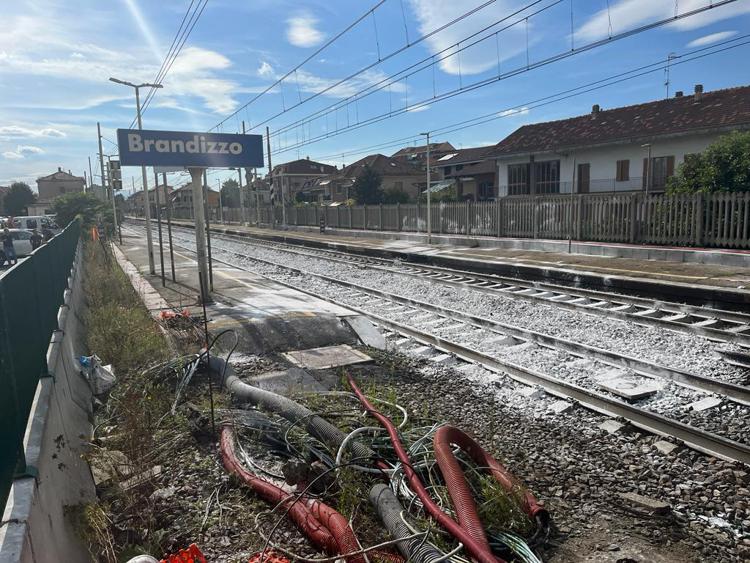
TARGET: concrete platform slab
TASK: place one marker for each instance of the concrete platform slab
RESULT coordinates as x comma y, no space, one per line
327,357
267,316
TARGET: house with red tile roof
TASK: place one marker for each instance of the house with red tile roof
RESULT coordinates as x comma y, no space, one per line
629,148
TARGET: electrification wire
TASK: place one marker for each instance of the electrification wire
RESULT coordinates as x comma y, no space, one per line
560,96
169,52
453,50
361,70
485,82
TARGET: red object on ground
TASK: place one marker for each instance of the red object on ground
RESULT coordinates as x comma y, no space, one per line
269,556
190,555
477,549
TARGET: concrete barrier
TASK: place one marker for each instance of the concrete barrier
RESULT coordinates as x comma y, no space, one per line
35,528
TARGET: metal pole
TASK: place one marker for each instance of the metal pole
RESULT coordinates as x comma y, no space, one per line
91,173
242,196
196,175
206,209
257,197
158,226
149,240
104,182
221,203
429,212
169,227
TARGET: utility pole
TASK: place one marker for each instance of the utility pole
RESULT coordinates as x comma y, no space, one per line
112,190
158,226
273,188
101,153
91,173
149,240
242,196
169,228
221,202
196,175
257,197
429,211
206,209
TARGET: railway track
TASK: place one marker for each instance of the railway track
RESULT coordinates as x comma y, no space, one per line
715,324
493,345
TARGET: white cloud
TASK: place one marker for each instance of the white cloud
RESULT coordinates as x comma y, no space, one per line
481,57
627,14
514,111
18,132
265,70
301,31
711,38
22,151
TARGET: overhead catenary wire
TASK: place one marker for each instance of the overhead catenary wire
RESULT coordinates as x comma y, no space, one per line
356,73
523,107
476,85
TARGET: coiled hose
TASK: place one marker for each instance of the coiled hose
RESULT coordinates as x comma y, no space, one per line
478,550
389,510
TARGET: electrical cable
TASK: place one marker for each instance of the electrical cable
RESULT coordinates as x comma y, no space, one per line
557,97
520,70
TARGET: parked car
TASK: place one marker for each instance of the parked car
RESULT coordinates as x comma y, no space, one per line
21,242
36,222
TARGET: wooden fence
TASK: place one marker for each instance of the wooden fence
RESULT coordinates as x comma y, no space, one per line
718,220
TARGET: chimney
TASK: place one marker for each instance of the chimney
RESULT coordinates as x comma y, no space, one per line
59,168
595,109
678,94
307,157
698,92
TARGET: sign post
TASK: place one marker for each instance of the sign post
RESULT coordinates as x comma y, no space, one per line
196,152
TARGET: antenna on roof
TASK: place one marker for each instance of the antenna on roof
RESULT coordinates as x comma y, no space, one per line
670,57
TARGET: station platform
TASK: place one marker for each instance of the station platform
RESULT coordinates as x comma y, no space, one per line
267,316
719,278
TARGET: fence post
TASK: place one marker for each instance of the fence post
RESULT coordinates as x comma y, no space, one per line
699,219
468,217
418,216
398,216
535,216
633,217
579,216
380,217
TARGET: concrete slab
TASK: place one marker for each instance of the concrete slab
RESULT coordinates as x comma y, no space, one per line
611,426
267,316
665,447
288,381
327,357
532,392
651,505
368,333
704,404
630,388
561,406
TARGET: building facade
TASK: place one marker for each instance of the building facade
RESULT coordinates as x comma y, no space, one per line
53,186
289,178
136,202
619,150
182,200
417,156
472,171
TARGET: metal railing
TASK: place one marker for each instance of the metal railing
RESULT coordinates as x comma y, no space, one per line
717,220
31,293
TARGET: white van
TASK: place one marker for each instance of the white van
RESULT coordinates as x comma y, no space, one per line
36,222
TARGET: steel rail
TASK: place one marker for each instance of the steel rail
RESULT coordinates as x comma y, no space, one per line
700,440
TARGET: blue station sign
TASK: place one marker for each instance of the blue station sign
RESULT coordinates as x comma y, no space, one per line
189,149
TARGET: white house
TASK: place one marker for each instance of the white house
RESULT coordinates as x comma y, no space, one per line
609,150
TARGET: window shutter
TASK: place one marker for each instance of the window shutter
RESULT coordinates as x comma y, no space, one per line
645,173
625,170
670,166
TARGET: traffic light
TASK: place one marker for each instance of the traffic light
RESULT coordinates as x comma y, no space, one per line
115,174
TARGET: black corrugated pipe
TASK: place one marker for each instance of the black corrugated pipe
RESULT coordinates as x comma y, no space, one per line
286,408
389,509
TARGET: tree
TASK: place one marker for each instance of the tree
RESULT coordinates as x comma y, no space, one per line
230,193
91,209
723,167
395,195
18,198
367,188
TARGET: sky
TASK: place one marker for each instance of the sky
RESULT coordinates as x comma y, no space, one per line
399,72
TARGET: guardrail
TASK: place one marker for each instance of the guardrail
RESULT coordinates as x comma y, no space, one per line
716,220
31,293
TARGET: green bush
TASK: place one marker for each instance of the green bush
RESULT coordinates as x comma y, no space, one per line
723,167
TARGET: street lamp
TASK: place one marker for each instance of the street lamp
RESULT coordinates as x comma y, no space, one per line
149,241
429,214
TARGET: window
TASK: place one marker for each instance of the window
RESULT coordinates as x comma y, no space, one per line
398,185
447,170
662,167
623,171
61,189
486,190
459,167
518,179
547,177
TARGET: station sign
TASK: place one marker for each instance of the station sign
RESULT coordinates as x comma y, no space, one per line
143,147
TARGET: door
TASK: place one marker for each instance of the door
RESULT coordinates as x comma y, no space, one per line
584,178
